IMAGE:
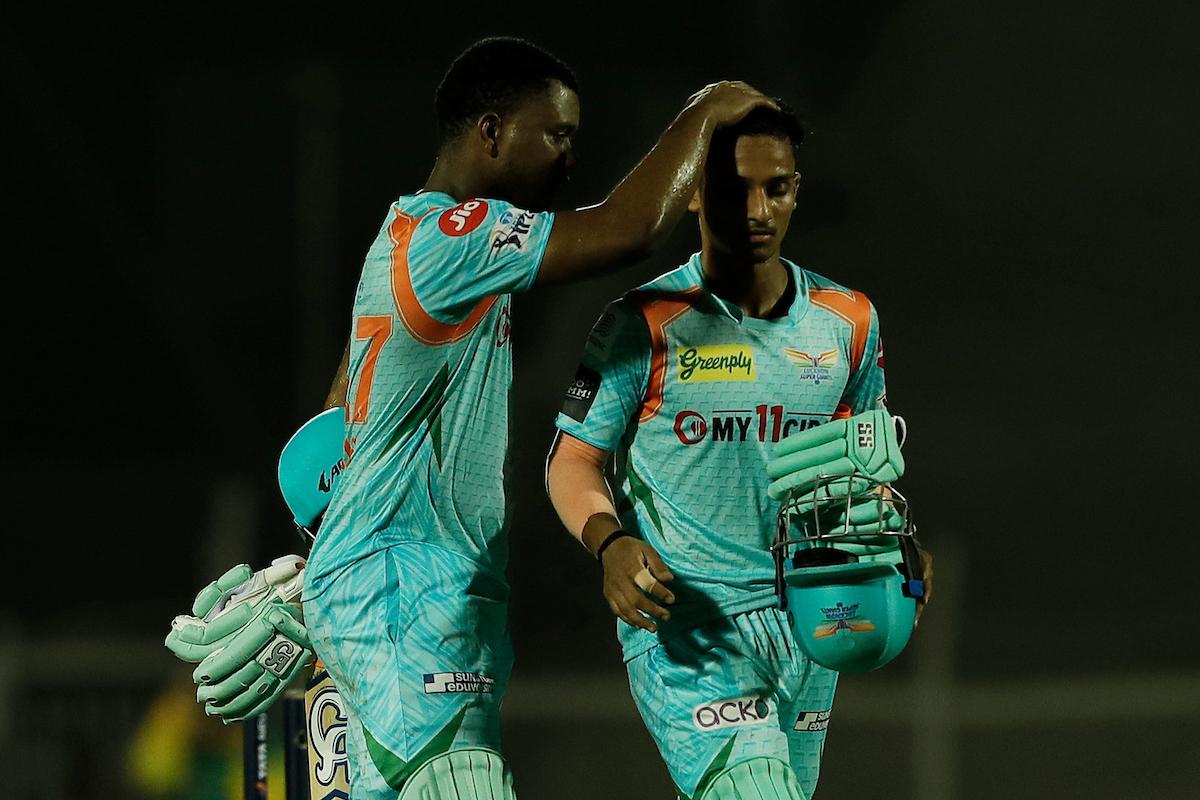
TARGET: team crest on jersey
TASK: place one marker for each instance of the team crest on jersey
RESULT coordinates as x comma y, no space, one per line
511,231
716,362
816,368
463,218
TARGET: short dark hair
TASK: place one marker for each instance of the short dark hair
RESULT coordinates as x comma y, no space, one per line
763,121
493,75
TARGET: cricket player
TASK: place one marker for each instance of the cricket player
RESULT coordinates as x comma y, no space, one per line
690,379
405,597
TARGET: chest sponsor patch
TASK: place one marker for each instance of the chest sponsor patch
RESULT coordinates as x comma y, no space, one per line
715,362
581,393
735,713
458,683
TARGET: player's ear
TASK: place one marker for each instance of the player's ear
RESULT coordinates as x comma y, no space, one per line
488,131
795,181
694,203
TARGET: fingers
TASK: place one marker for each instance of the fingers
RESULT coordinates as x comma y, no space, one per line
284,618
656,565
633,607
261,688
228,659
224,691
209,595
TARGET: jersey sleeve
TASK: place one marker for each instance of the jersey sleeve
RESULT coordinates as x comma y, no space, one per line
866,389
611,381
476,249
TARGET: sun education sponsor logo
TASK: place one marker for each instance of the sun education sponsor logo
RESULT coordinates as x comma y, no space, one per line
842,617
716,362
735,713
458,683
815,368
813,720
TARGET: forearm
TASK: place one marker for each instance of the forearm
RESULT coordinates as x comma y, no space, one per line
341,380
638,214
652,198
579,493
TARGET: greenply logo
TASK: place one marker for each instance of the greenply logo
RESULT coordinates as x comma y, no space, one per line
716,362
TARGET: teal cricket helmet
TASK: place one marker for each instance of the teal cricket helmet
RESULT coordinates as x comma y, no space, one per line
310,465
848,572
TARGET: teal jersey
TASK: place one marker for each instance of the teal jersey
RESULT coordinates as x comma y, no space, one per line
430,374
692,394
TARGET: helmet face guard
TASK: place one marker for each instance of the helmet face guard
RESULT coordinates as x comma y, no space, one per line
848,572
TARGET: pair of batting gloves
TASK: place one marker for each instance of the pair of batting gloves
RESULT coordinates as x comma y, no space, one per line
247,633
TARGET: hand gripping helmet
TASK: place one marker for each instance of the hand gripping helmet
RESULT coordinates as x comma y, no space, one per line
310,465
848,571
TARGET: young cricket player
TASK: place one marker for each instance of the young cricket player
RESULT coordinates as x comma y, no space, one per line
690,379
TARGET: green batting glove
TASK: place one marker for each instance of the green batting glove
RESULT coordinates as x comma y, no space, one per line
864,445
249,637
245,678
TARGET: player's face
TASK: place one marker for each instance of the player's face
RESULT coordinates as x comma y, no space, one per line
747,201
536,146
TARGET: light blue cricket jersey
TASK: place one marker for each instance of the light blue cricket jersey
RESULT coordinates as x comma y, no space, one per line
692,394
430,374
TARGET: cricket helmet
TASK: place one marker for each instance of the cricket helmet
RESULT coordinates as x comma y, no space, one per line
310,465
848,571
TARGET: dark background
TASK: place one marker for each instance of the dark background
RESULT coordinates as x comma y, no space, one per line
1015,185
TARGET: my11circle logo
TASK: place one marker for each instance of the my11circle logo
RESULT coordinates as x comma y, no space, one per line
763,423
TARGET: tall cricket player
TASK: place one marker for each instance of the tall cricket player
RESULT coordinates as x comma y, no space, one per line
405,598
691,379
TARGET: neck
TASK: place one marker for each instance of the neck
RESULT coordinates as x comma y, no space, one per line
760,289
452,176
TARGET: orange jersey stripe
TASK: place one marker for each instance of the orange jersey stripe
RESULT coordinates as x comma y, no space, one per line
855,308
659,312
417,321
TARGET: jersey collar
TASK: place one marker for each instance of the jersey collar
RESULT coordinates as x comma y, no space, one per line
695,270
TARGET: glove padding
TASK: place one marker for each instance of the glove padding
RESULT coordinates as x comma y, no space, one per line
864,445
866,520
248,635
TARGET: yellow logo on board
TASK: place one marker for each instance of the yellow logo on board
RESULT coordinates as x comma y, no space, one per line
716,362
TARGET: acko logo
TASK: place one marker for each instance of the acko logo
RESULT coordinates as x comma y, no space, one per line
328,478
463,218
736,713
716,362
763,423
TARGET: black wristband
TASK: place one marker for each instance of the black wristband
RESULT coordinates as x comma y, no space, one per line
612,537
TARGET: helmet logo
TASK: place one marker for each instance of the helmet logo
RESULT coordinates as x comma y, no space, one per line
842,617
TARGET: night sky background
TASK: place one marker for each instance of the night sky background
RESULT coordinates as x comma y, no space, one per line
1015,185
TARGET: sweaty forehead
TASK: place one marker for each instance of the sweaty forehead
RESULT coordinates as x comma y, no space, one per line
557,105
762,155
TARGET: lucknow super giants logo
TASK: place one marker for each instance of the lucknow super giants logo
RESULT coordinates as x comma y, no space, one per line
817,368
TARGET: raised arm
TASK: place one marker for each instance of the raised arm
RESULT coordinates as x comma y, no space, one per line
646,205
